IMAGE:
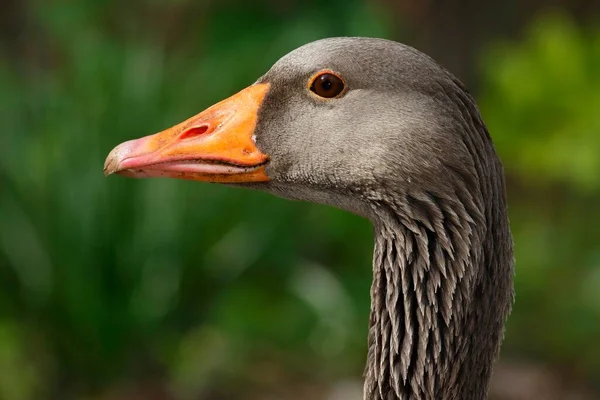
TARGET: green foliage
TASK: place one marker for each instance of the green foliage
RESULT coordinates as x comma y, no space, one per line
542,98
18,378
541,101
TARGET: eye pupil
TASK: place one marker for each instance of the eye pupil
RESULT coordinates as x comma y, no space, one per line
327,85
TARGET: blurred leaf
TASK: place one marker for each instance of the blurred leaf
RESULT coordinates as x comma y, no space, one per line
541,98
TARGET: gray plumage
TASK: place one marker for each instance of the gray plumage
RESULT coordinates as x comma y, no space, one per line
406,147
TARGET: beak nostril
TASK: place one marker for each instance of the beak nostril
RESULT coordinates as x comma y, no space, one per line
195,131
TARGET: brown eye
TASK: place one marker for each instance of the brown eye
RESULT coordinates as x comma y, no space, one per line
327,85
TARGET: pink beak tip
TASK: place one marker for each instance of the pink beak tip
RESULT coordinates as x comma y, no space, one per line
115,159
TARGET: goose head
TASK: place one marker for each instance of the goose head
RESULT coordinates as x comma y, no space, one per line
336,121
379,129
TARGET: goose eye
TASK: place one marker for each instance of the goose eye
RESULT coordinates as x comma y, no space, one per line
327,85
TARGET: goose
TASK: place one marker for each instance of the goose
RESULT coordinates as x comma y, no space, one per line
379,129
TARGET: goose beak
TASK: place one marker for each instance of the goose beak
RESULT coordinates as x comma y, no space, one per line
216,145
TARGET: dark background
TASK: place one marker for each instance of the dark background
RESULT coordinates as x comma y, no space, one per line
161,289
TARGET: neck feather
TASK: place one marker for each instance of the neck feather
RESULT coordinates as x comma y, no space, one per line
442,289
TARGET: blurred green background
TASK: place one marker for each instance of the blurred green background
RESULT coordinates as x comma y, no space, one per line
160,289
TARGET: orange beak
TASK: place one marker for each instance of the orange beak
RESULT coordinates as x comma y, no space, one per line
216,145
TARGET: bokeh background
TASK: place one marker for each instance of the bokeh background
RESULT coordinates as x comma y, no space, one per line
117,289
